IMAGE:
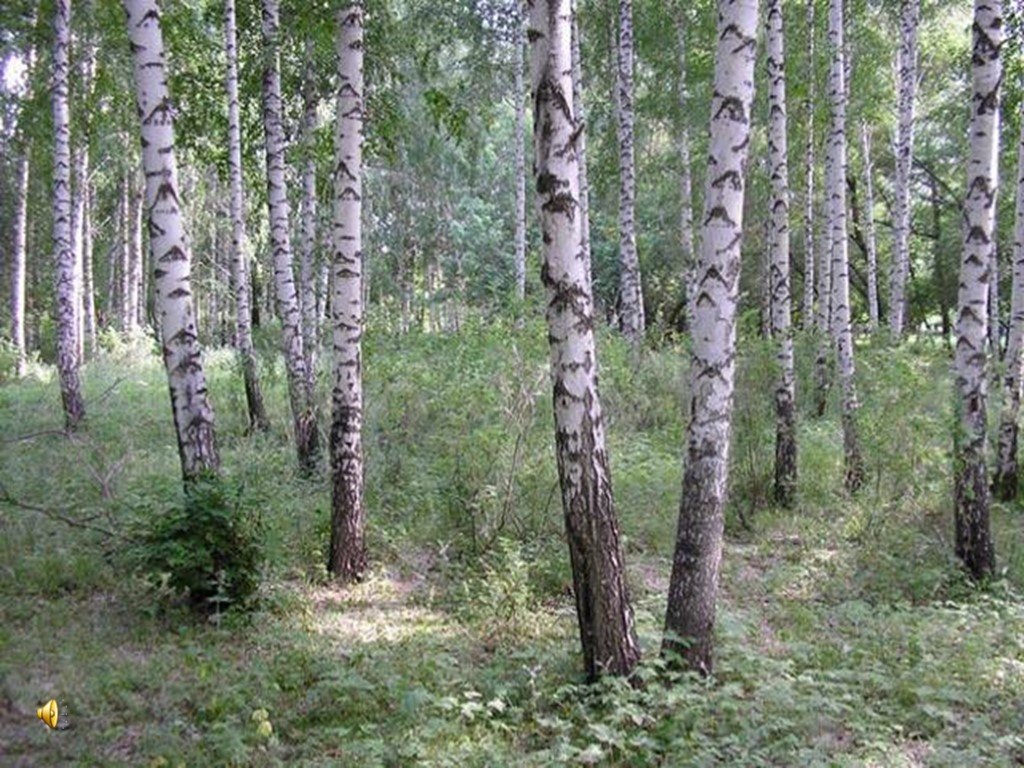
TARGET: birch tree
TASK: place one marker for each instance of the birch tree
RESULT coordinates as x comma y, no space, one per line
690,618
519,95
631,300
869,225
300,392
307,219
172,257
581,137
778,248
907,83
809,103
18,265
841,329
348,516
973,537
239,241
603,608
67,338
686,240
1005,483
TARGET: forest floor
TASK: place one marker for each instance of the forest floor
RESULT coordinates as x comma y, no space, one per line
847,634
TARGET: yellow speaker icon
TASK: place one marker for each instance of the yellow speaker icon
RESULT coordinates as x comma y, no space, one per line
48,713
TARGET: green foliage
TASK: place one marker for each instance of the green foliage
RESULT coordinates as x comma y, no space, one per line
208,548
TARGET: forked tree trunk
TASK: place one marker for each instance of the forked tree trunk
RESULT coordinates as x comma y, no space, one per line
307,287
690,619
67,337
809,105
299,391
778,248
869,226
973,537
519,95
909,11
239,241
1005,483
190,404
631,299
686,239
348,513
841,329
603,609
18,260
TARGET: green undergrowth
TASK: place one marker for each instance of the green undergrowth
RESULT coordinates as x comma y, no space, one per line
847,634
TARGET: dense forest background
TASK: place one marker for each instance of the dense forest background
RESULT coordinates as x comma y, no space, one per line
848,630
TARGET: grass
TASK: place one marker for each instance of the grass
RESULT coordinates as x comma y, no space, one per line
847,634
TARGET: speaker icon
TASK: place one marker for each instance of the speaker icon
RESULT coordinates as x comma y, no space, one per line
49,713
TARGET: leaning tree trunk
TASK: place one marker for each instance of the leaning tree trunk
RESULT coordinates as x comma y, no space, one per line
307,256
631,300
67,343
909,11
18,260
778,248
1005,483
689,621
348,513
686,240
869,226
809,104
581,138
973,537
239,241
299,392
519,96
841,329
603,609
190,404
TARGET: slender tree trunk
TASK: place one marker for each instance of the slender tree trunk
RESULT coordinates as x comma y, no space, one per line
631,299
581,138
686,239
67,344
840,256
299,391
348,516
605,616
785,387
809,104
307,288
993,302
239,242
909,12
822,378
127,314
79,173
18,259
939,265
689,621
973,537
520,96
190,404
143,297
1005,483
869,226
88,283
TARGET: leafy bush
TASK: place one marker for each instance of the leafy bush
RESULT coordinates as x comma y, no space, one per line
208,549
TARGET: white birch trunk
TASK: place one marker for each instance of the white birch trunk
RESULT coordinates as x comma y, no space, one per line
172,259
993,302
307,257
239,241
18,270
88,283
689,621
67,343
581,139
80,171
631,300
603,609
519,95
809,105
973,537
869,226
778,249
841,329
299,392
909,12
686,239
1006,479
